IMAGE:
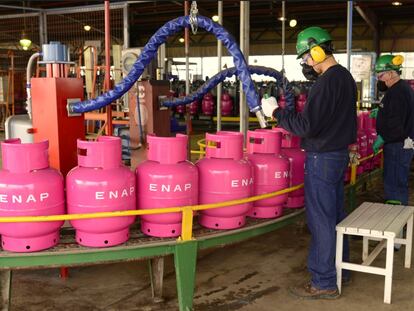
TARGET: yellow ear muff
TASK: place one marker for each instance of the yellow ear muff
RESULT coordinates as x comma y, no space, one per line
398,60
318,54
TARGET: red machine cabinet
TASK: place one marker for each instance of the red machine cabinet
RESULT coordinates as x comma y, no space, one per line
51,121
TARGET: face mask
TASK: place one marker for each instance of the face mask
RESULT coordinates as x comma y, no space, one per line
309,72
381,86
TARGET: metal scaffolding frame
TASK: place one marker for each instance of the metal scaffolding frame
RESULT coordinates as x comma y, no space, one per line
43,13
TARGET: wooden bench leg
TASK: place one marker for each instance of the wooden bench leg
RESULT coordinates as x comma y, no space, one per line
5,283
156,266
365,250
339,256
389,263
409,240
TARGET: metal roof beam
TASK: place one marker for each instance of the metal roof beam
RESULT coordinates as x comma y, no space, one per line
19,8
369,16
372,20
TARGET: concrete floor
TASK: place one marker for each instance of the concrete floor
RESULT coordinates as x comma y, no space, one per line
251,276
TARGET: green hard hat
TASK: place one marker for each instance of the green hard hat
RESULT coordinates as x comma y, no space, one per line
389,62
310,37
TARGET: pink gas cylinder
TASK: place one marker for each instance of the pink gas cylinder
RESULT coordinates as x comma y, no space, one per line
271,172
288,139
101,183
29,187
371,133
207,105
300,102
226,105
296,158
193,108
165,180
362,142
180,109
224,176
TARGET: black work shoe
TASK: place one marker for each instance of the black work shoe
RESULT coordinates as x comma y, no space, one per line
308,292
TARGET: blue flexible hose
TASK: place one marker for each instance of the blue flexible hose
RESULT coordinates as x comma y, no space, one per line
149,52
227,73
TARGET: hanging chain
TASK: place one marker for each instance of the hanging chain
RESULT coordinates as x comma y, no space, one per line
193,17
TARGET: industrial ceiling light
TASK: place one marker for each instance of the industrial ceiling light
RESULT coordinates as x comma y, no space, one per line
293,23
25,42
87,27
396,3
215,18
181,40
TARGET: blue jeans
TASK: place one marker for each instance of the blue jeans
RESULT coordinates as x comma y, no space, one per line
324,205
397,163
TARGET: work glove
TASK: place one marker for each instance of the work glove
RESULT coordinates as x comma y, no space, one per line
354,156
269,104
378,144
374,113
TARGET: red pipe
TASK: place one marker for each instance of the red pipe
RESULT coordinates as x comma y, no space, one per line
108,65
56,71
49,71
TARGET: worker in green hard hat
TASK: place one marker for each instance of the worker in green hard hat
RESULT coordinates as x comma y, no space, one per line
395,127
327,126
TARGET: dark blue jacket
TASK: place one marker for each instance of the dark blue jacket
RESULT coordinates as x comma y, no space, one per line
329,120
395,121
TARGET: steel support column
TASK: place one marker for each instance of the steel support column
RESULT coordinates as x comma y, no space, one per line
219,56
244,46
283,35
42,28
108,65
187,72
349,35
126,25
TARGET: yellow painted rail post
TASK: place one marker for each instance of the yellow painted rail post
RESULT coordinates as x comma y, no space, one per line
353,174
187,224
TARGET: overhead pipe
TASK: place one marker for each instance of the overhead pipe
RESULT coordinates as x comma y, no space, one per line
28,83
150,50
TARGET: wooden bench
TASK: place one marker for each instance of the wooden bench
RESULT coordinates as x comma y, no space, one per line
381,222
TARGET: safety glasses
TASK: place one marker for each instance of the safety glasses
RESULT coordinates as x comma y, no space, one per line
305,59
380,75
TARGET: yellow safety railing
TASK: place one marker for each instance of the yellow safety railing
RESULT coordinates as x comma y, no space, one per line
187,211
202,145
354,167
